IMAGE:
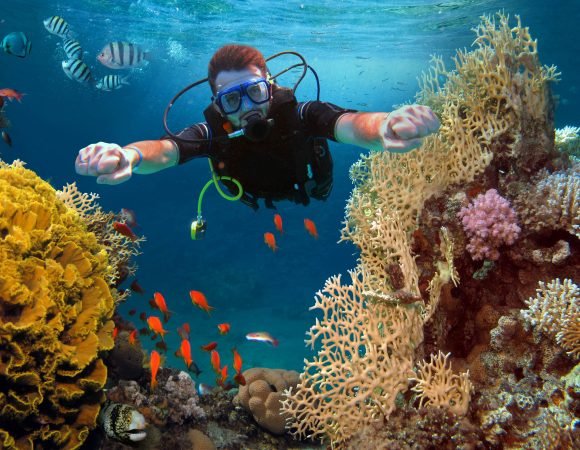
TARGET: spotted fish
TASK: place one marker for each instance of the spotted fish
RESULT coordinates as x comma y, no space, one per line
122,423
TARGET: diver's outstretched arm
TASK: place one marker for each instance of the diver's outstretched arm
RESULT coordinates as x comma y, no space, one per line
113,164
399,131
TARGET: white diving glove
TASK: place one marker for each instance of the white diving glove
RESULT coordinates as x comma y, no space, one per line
404,128
110,163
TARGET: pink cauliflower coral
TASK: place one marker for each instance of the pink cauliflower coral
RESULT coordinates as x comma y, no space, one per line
489,222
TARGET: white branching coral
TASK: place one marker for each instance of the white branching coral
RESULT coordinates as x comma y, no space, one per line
567,140
365,359
555,312
437,386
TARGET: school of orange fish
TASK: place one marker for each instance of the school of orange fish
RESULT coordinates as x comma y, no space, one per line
155,325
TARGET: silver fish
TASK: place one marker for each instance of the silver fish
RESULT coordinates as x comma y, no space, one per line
6,138
122,423
77,70
16,44
58,26
122,55
111,82
72,48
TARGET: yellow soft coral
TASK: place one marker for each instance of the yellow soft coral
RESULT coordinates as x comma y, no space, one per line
55,311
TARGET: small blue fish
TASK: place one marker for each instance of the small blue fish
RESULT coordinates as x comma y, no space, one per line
204,389
16,44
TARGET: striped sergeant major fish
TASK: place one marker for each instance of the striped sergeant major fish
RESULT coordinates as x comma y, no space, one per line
122,55
111,82
58,26
72,48
77,70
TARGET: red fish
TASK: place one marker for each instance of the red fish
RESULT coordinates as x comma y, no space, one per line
223,376
278,223
215,361
154,362
136,287
224,328
132,312
160,303
184,331
161,346
209,347
133,337
185,350
239,378
270,241
11,94
115,333
199,300
155,326
123,228
143,316
311,228
237,361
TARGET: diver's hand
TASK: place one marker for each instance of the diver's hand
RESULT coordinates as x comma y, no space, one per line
110,163
404,128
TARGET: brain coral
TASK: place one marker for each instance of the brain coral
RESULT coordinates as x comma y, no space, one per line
55,311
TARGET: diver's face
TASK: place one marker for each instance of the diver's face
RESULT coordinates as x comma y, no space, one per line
231,78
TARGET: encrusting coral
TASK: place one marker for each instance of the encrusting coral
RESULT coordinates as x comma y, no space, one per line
404,299
55,311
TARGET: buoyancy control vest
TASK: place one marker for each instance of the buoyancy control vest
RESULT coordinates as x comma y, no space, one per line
289,164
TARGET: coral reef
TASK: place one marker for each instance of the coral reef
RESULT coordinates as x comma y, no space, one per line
262,393
120,248
418,291
55,311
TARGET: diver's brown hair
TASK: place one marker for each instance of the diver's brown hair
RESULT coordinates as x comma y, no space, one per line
234,57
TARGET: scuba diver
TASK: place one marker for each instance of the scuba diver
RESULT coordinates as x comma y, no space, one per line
260,141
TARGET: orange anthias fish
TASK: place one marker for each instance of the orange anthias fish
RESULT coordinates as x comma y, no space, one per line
155,326
278,223
154,362
209,347
199,300
185,350
184,331
133,337
215,361
311,228
224,328
238,378
270,241
123,228
160,303
11,94
115,333
223,376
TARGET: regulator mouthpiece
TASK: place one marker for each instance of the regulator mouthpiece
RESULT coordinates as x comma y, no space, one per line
258,129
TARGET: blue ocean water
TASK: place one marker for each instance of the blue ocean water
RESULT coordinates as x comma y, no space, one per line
368,55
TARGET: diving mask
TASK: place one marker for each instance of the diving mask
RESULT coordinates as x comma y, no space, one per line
258,91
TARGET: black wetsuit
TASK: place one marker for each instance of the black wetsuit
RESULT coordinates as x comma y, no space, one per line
293,163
